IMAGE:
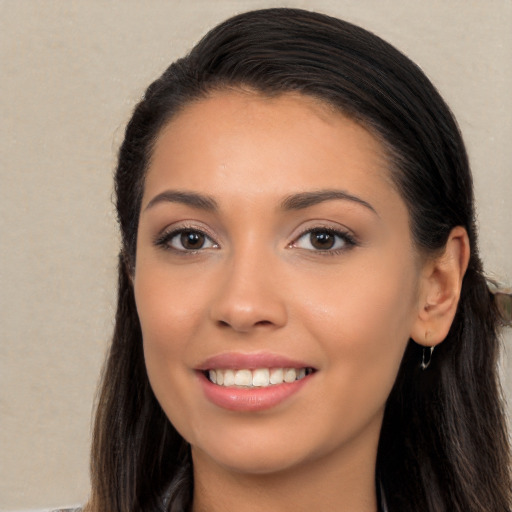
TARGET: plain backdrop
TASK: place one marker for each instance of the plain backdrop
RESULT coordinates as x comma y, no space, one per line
71,72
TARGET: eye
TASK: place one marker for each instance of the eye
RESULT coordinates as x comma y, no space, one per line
186,240
322,239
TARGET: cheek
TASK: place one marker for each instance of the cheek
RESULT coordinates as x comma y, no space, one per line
365,304
168,309
169,317
363,320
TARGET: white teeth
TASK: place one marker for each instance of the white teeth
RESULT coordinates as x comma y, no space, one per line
229,378
276,376
243,378
290,375
261,377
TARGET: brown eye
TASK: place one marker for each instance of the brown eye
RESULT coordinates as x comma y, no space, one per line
192,240
325,240
322,240
186,240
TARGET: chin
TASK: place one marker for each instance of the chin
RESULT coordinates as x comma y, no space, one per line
254,462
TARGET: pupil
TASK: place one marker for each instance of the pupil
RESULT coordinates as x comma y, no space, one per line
192,239
322,240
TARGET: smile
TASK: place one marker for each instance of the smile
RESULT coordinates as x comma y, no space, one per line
257,378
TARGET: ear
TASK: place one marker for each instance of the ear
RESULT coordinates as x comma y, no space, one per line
439,290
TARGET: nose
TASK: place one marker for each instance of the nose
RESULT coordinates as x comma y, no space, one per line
250,296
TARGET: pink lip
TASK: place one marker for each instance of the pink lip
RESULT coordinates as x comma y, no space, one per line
250,399
236,361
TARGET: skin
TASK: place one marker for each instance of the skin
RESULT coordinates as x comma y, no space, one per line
258,285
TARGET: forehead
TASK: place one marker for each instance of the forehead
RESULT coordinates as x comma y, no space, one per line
237,142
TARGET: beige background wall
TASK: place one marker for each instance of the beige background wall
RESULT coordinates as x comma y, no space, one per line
70,73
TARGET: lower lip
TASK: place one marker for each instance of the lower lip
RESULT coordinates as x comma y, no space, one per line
250,399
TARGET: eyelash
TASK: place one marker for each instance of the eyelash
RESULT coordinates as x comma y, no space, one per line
164,240
349,241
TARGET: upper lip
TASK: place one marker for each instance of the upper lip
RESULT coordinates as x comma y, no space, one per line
251,361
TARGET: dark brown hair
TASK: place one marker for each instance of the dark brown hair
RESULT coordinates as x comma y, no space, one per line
443,445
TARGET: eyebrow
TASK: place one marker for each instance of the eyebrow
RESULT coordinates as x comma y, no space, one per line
298,201
307,199
192,199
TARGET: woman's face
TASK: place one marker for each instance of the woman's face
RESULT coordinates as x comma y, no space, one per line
276,282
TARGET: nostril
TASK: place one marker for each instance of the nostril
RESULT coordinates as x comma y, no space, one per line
262,323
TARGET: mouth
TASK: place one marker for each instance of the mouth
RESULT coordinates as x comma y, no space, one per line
256,378
253,382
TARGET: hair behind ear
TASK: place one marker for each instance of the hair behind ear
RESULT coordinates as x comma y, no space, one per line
437,421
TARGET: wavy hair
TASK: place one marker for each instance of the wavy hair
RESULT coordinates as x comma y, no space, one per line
443,444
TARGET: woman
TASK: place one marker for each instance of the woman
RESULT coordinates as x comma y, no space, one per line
298,236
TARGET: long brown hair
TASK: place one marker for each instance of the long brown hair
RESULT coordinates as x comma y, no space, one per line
443,444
